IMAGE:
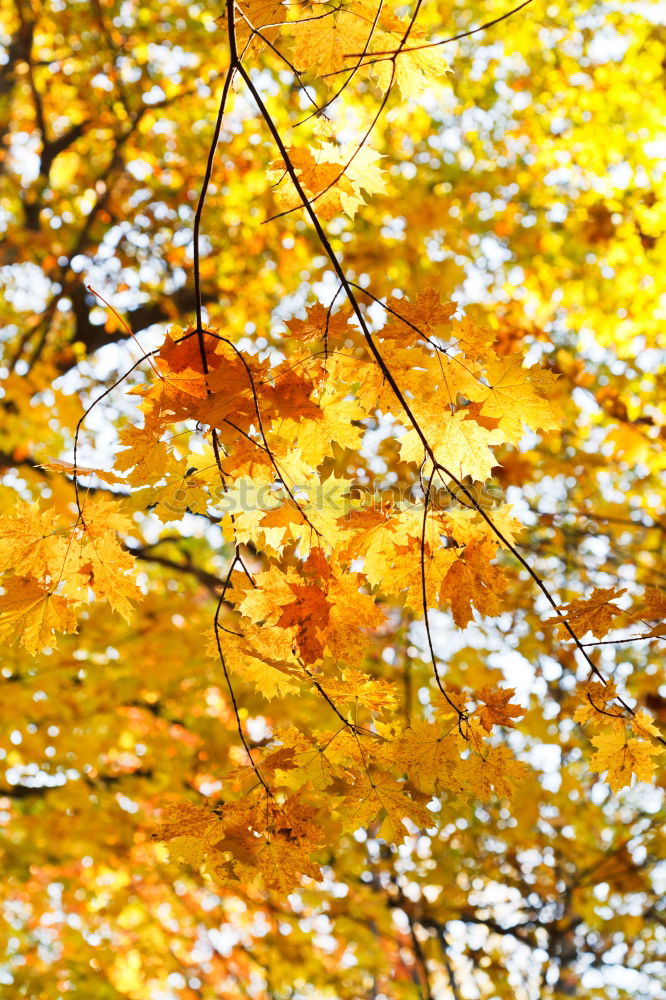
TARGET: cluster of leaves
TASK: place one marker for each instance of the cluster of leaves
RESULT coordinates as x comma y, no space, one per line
309,479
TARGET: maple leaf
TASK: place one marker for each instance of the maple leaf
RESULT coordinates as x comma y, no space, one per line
262,657
353,616
498,769
516,395
389,798
325,507
30,615
653,607
281,864
280,856
181,492
190,831
302,760
103,516
429,756
108,569
31,540
181,819
655,603
271,528
321,324
472,580
322,45
185,383
146,454
416,67
643,725
474,339
460,444
68,468
309,612
332,177
427,312
594,613
597,699
497,708
622,757
250,16
334,422
232,395
361,689
466,526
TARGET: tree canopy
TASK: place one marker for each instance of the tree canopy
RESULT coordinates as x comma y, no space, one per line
332,509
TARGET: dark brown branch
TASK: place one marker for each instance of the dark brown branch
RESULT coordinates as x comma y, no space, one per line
146,554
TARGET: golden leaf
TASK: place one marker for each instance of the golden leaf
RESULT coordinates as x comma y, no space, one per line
623,757
30,615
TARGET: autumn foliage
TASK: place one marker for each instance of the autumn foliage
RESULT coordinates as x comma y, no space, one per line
332,503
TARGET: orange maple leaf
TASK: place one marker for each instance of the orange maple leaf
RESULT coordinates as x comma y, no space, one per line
593,614
497,708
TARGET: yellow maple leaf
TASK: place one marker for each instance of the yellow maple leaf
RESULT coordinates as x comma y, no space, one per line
282,862
597,699
31,542
643,725
653,608
333,422
30,615
474,339
102,516
321,44
263,16
179,494
393,799
68,469
460,444
655,603
498,769
186,819
465,525
427,312
429,756
190,831
355,687
353,616
108,568
320,324
271,528
146,455
516,395
280,856
622,757
416,67
262,656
